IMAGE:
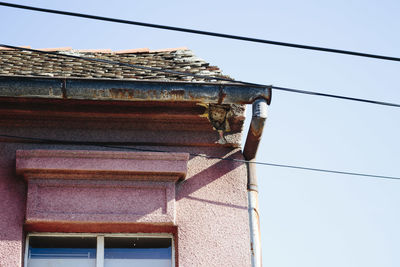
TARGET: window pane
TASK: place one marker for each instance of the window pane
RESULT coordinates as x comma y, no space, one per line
45,251
137,251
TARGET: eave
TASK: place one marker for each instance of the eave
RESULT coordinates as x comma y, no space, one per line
187,111
130,90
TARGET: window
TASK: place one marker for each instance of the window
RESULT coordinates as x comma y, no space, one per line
101,250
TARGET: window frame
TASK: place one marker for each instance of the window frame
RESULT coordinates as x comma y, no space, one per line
100,242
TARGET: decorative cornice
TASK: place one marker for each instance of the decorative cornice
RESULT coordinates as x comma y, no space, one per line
82,164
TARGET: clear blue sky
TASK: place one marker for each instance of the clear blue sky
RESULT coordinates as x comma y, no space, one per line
307,219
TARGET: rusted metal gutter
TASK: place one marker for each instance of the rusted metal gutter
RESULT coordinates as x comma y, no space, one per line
130,90
250,150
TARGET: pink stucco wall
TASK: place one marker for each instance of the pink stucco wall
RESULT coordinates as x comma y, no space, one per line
211,220
212,213
12,209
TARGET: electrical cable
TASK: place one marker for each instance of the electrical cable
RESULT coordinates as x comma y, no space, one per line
80,143
334,96
187,30
205,77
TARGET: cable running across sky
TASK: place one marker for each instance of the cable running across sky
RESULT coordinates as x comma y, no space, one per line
193,31
68,142
210,78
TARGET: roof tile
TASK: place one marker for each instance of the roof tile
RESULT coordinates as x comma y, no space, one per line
28,63
132,51
6,48
94,51
56,49
169,49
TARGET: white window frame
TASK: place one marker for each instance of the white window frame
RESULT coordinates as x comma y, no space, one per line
100,242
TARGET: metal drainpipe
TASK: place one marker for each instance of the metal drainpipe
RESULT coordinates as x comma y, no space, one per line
249,152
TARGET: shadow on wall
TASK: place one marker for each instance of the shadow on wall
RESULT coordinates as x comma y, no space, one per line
185,188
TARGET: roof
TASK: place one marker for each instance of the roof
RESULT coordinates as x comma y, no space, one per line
47,90
27,63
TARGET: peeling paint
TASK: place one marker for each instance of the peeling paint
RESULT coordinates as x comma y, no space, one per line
221,95
131,90
177,94
205,114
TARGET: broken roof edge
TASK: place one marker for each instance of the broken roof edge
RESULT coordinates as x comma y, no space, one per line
131,90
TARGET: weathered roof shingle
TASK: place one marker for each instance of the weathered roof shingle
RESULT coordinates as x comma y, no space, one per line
27,63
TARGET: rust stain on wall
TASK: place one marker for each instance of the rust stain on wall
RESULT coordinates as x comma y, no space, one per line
177,94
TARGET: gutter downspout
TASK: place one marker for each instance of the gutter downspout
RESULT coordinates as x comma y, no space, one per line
249,152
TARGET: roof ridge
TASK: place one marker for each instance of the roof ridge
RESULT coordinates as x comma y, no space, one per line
55,49
124,51
94,51
133,51
6,48
169,49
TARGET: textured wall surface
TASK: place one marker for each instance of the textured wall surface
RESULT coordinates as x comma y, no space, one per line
55,200
211,226
12,209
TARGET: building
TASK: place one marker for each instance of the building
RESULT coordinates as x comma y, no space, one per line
105,165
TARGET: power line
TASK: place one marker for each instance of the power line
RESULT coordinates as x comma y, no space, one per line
98,144
334,96
205,77
187,30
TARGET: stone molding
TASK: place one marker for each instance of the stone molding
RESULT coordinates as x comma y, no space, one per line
82,164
